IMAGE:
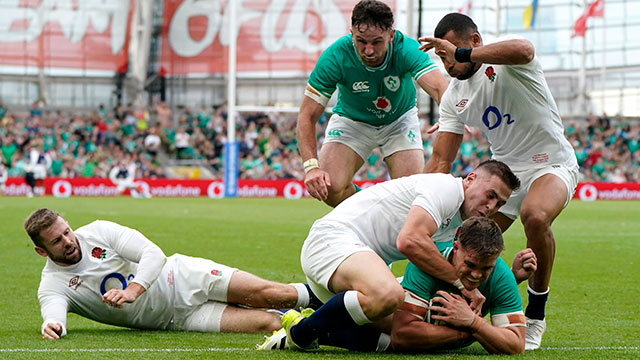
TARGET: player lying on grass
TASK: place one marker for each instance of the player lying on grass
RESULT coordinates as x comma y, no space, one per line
115,275
434,316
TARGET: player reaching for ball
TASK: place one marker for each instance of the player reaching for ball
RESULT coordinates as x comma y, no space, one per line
500,88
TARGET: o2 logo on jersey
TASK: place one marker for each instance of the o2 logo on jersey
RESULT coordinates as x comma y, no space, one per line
492,118
114,277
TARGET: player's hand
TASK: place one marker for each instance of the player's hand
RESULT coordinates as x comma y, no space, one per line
442,48
317,182
436,126
524,265
476,299
452,309
52,331
117,297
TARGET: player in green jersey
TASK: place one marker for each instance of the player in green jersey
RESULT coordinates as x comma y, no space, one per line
373,68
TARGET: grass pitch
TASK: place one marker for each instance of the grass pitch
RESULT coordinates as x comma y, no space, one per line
593,310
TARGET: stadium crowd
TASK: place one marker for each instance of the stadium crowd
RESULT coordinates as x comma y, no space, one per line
89,145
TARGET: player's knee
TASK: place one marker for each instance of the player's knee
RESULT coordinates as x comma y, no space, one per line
535,219
384,301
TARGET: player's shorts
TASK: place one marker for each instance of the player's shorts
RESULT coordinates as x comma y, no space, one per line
124,184
39,171
568,175
200,292
402,134
326,247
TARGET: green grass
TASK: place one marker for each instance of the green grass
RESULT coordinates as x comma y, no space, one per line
593,310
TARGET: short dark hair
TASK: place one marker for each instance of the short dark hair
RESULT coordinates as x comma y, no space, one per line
482,235
461,24
39,221
372,13
501,170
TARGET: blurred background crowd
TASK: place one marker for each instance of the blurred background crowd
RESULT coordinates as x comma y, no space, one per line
88,145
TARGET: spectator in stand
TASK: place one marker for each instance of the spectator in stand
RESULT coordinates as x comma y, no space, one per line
152,142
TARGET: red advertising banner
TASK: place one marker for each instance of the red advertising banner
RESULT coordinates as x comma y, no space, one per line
273,35
69,34
63,187
607,191
291,189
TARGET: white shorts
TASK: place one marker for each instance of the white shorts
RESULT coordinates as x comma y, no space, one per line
568,175
402,134
326,247
200,293
122,185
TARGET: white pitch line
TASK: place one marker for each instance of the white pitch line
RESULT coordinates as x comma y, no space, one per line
592,348
125,350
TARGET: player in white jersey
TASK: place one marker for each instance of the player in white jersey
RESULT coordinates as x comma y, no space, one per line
115,275
346,255
501,89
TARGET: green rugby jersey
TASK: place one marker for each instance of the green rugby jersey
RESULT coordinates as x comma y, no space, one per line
375,96
500,289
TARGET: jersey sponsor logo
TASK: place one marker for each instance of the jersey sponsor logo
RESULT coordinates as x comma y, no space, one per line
491,74
540,158
75,282
382,103
492,118
334,132
392,83
119,278
360,86
99,253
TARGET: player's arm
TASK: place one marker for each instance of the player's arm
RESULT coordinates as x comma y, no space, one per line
53,309
316,180
414,242
434,84
133,246
409,331
505,339
506,52
444,153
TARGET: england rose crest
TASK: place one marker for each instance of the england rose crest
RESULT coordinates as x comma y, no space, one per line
491,74
99,253
383,103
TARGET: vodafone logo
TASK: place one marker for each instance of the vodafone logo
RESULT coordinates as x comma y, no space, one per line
293,190
588,193
61,189
215,190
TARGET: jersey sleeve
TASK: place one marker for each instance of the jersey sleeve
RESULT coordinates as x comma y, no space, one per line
326,74
133,246
416,61
441,197
449,120
53,308
505,298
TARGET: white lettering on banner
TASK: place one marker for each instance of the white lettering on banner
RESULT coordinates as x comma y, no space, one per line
332,19
257,191
177,190
95,190
619,194
73,17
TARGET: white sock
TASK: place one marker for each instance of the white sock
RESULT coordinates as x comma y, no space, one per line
535,292
354,309
383,342
303,295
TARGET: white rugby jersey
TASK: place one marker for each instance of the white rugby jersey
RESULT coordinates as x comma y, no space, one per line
377,214
112,256
513,106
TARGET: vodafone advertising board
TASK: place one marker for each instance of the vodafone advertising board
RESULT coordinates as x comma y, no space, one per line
291,189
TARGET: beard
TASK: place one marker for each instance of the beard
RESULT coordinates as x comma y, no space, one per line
469,73
66,260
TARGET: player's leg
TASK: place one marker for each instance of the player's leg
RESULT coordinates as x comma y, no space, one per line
341,162
405,163
402,145
546,198
250,290
365,291
213,316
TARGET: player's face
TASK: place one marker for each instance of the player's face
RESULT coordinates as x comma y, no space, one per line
484,195
371,43
471,268
460,71
60,244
